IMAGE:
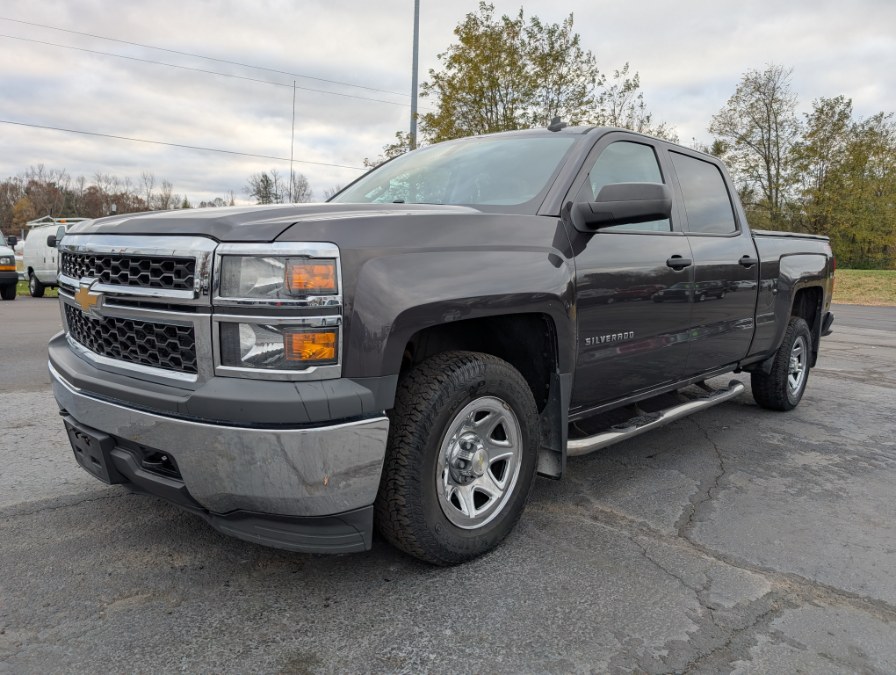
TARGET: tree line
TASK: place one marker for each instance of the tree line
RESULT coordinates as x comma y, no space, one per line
826,172
41,191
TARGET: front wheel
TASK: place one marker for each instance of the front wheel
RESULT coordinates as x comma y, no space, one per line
35,288
783,387
8,292
461,457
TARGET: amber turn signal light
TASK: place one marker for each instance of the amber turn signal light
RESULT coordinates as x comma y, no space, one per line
311,277
310,347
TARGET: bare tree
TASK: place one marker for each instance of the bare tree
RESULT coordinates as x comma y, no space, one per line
759,126
330,192
301,190
165,199
149,183
621,104
268,187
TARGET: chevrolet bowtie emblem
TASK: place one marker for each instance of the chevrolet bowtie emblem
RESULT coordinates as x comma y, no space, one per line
86,300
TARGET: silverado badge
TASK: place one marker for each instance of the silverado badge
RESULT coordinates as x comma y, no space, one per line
613,337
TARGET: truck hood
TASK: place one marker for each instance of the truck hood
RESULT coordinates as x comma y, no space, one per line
251,223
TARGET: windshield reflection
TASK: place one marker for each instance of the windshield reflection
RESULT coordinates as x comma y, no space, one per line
491,171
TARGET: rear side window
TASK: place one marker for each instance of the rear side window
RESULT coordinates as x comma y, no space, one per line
625,162
706,199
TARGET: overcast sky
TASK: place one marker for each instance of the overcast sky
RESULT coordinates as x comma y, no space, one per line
690,56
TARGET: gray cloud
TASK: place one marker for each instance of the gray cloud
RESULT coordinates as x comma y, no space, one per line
690,57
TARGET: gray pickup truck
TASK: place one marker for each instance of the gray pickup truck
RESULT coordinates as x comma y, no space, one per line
411,354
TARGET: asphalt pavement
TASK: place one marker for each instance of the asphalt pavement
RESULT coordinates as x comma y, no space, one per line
736,540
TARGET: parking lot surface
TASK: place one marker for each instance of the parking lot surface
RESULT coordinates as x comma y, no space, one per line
736,540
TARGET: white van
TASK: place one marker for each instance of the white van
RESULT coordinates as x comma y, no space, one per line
39,259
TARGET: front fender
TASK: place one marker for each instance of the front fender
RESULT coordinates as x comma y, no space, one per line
398,295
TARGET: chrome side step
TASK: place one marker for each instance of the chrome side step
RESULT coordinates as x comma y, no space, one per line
638,425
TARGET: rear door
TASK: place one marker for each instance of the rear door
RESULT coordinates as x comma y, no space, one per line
726,266
628,342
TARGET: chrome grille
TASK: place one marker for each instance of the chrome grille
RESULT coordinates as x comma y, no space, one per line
143,271
147,343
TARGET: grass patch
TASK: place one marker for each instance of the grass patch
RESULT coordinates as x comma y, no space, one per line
22,289
865,287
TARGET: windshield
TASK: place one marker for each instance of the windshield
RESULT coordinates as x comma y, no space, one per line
485,171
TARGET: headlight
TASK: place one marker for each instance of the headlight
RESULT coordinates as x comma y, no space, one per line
277,277
289,318
277,346
6,260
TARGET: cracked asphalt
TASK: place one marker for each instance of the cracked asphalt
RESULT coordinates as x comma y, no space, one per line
737,540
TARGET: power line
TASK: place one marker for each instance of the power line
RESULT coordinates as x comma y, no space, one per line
200,70
201,56
177,145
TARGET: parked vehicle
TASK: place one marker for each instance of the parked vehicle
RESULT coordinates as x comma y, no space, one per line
39,258
413,352
8,276
689,291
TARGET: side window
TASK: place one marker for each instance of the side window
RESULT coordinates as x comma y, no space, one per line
625,162
706,199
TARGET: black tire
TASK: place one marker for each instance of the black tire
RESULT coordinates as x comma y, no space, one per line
414,511
8,292
35,288
781,389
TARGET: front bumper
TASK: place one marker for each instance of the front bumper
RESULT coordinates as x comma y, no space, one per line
8,277
275,486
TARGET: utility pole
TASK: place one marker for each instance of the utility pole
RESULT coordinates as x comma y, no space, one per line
292,139
414,75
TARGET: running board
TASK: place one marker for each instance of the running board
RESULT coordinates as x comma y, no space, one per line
638,425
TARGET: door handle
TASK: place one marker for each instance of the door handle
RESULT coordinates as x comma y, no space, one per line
676,262
747,261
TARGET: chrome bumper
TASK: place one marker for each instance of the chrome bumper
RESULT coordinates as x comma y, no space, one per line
293,472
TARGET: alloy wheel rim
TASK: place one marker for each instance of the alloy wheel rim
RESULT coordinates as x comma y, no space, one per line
796,372
479,463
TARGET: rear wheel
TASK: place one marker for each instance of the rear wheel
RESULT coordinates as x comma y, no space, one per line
783,387
461,457
8,292
35,288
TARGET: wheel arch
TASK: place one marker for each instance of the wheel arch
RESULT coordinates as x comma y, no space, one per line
530,343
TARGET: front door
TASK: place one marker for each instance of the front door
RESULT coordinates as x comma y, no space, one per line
630,339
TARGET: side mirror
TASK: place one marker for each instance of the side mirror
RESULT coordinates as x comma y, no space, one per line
54,239
12,240
623,204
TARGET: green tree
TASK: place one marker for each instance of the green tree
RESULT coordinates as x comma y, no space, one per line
400,146
847,182
759,126
817,160
508,73
867,182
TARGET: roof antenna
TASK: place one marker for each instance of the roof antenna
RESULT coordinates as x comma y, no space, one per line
556,124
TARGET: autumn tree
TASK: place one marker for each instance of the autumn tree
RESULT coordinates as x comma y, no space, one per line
508,73
400,146
847,182
759,125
